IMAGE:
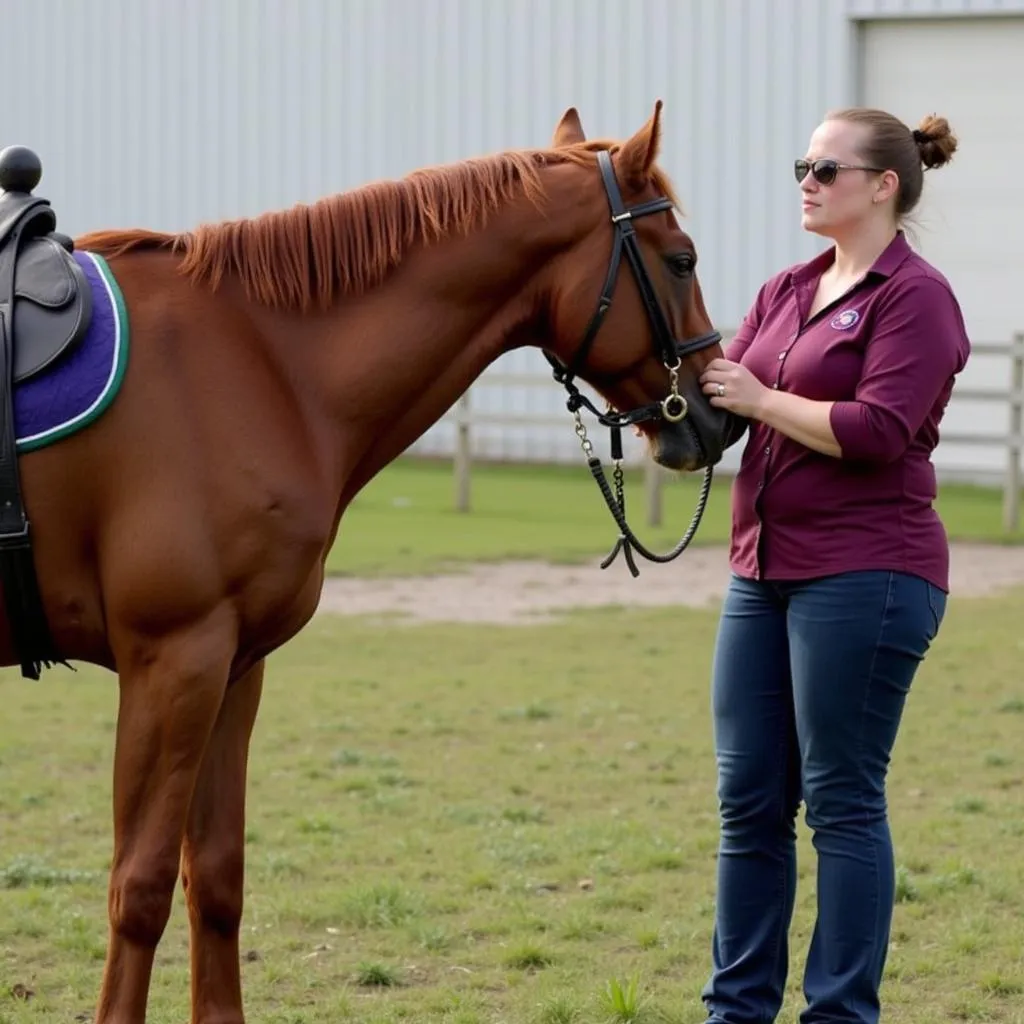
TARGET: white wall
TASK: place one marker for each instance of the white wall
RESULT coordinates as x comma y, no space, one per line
971,219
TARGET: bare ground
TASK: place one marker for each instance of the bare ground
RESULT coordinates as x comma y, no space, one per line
530,592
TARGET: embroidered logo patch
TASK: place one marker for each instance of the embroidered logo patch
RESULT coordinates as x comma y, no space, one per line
845,320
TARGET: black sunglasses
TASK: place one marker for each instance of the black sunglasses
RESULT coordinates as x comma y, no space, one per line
825,170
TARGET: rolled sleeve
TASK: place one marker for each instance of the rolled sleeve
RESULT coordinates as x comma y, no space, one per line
918,342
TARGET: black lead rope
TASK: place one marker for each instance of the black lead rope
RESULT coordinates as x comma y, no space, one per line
627,541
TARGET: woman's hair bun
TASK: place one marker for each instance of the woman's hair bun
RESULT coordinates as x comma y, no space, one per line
935,141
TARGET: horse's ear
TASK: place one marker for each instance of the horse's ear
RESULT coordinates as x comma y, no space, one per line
637,156
569,130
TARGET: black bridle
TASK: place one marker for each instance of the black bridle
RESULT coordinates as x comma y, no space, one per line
673,407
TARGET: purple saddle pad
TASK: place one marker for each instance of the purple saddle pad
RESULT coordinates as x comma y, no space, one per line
79,387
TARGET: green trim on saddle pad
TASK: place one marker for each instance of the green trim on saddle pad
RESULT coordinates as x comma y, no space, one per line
119,365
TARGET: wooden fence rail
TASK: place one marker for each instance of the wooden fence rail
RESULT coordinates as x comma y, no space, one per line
466,417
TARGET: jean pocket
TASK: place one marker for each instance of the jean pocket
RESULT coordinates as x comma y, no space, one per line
937,607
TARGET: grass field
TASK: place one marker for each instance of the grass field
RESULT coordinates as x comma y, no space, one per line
405,521
514,825
426,802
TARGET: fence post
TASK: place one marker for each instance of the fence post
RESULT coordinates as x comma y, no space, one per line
1012,485
653,480
463,453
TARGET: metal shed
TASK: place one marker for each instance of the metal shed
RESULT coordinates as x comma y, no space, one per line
157,114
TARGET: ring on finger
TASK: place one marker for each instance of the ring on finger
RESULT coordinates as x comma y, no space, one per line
720,391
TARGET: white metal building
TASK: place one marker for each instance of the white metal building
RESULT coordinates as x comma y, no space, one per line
164,114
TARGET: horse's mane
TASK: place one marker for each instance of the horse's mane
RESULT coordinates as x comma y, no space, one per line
348,242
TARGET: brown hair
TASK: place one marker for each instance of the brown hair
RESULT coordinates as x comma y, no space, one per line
892,145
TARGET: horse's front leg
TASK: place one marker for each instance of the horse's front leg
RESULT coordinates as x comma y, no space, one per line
213,857
171,689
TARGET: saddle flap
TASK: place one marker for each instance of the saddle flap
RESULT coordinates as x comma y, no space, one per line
52,307
43,274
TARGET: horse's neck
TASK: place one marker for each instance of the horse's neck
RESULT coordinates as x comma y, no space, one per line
392,361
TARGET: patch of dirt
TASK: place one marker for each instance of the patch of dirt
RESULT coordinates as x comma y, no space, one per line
522,593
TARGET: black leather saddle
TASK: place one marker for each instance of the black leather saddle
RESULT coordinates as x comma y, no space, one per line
45,310
47,298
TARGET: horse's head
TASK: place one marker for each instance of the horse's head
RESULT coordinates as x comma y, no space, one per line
625,311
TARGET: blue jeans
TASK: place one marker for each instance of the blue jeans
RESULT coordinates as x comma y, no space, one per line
808,686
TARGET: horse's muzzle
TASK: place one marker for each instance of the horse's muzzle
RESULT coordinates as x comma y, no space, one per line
698,440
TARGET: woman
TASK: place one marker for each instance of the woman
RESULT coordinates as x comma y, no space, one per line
843,366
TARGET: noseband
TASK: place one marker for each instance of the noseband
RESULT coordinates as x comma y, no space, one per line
673,408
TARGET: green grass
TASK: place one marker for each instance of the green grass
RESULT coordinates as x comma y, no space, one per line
421,848
405,520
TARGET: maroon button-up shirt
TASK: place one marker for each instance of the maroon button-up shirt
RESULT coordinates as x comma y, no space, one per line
886,354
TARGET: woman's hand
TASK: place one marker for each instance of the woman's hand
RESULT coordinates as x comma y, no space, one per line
732,386
805,420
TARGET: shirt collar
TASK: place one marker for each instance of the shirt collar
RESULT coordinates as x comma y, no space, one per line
889,260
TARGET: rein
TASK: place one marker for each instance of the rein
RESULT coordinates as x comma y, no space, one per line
673,408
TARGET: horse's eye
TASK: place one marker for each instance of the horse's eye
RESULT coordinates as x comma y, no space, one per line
682,264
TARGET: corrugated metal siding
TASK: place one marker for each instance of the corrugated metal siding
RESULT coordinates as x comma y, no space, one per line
166,114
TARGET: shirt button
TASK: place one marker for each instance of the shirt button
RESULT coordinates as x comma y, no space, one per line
775,386
767,449
782,355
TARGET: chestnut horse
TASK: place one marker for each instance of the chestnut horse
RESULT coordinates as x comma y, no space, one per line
277,364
